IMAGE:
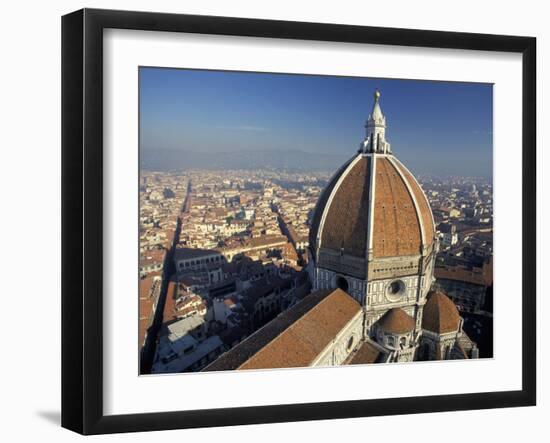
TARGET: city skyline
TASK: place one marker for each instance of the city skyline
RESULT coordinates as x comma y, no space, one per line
434,126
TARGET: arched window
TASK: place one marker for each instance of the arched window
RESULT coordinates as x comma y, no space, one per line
342,283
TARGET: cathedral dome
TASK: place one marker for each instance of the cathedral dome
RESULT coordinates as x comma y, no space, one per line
372,207
440,314
396,321
399,218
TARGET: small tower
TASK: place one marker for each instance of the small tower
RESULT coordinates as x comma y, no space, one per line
375,137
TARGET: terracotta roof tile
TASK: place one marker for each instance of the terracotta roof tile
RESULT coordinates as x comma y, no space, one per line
168,314
239,354
304,340
440,314
400,210
458,273
321,203
295,337
396,229
347,219
424,206
396,321
367,353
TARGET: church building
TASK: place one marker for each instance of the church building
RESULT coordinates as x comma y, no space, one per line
372,250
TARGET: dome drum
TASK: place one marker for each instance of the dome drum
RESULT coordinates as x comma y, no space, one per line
341,263
395,267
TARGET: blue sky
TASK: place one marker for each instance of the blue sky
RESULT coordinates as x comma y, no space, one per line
434,127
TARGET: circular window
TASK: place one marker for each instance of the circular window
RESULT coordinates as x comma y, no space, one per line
395,290
351,342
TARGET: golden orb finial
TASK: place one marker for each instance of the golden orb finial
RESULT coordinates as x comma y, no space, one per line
376,94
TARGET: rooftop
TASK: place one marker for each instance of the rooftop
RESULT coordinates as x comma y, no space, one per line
190,253
367,353
295,337
440,314
401,220
202,350
396,321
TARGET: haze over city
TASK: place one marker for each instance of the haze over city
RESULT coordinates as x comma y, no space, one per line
217,119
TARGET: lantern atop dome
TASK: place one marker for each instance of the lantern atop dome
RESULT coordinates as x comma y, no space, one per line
375,140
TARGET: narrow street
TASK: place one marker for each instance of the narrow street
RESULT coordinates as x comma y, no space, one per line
149,348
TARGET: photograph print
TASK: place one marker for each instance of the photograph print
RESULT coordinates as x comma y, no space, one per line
289,221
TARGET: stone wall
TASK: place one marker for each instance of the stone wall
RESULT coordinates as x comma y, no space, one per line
349,338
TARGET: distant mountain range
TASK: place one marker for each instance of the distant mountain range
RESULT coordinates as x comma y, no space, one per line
162,160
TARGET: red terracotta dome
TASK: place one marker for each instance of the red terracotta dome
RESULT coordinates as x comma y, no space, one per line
373,201
396,321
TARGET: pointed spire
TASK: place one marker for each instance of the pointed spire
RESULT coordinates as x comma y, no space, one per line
375,140
376,114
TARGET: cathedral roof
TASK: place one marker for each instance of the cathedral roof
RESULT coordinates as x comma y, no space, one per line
323,199
396,229
296,336
367,353
440,314
396,321
346,223
400,211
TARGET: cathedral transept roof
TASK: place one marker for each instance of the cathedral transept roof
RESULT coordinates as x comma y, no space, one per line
295,337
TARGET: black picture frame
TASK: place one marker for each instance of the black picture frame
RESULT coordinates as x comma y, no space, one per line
82,219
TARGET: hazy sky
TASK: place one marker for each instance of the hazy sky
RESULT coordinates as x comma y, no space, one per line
433,127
